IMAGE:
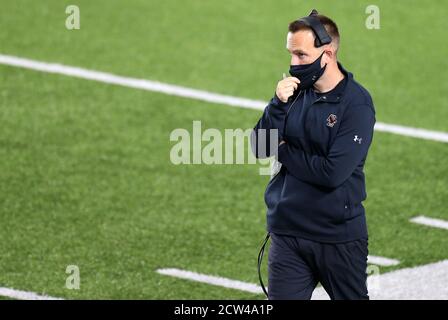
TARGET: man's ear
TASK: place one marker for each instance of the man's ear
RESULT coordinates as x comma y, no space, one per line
329,55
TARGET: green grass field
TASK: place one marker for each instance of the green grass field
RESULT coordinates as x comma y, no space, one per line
85,173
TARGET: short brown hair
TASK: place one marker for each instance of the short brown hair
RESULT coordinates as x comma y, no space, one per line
329,25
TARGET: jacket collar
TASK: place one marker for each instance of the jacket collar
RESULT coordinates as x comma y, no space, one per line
336,94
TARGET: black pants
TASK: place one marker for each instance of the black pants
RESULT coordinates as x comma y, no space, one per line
296,265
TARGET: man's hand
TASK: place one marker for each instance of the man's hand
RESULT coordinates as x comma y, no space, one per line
286,87
281,142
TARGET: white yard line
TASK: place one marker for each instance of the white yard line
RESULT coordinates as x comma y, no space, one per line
217,281
24,295
427,282
431,222
412,132
190,93
142,84
381,261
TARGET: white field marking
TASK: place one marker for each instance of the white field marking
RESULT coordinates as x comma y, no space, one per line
190,93
217,281
412,132
437,223
142,84
381,261
427,282
24,295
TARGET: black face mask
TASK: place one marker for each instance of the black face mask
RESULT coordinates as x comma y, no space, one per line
308,74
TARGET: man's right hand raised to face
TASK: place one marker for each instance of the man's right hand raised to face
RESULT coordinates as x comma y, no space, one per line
286,87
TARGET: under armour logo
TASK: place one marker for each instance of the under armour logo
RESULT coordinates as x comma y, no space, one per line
356,139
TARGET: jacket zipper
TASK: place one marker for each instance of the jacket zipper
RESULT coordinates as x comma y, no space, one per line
290,107
287,112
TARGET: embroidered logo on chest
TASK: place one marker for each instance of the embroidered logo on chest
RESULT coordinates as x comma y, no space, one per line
331,120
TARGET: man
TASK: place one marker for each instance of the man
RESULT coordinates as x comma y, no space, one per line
315,215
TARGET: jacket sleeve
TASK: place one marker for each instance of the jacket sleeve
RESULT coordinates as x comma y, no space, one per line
273,118
346,153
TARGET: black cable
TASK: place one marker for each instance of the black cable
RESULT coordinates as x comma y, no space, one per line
260,259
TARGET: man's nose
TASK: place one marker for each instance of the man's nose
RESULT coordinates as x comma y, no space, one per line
295,60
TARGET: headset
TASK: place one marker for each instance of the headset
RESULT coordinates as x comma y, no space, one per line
322,38
312,21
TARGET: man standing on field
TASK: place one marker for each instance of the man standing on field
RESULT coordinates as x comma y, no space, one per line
315,216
